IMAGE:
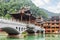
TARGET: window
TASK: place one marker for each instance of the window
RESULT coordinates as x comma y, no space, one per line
44,27
52,30
57,27
57,23
57,20
52,20
48,23
41,24
48,30
16,27
48,26
52,23
19,28
53,27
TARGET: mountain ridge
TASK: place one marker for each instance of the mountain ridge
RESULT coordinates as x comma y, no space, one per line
50,13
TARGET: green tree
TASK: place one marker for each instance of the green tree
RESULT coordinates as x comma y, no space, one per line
12,6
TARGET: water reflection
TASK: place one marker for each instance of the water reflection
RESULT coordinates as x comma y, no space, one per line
31,37
37,37
52,36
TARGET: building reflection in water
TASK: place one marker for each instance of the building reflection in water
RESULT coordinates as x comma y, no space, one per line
36,37
52,37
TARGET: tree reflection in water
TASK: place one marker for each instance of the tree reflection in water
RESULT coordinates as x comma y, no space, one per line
32,37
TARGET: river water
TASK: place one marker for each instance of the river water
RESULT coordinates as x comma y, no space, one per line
34,37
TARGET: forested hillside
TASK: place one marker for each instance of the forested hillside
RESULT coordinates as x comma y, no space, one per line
12,6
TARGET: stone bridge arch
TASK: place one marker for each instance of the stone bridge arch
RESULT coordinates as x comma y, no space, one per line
10,31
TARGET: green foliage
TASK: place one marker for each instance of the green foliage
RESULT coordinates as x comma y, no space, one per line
7,16
12,6
24,32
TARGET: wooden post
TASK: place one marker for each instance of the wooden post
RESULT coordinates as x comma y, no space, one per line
29,18
21,18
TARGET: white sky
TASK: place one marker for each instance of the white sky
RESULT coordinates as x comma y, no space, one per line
50,5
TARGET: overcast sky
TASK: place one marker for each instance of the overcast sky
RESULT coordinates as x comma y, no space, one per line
50,5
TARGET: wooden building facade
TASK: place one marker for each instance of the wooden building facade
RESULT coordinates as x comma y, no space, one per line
24,15
52,25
